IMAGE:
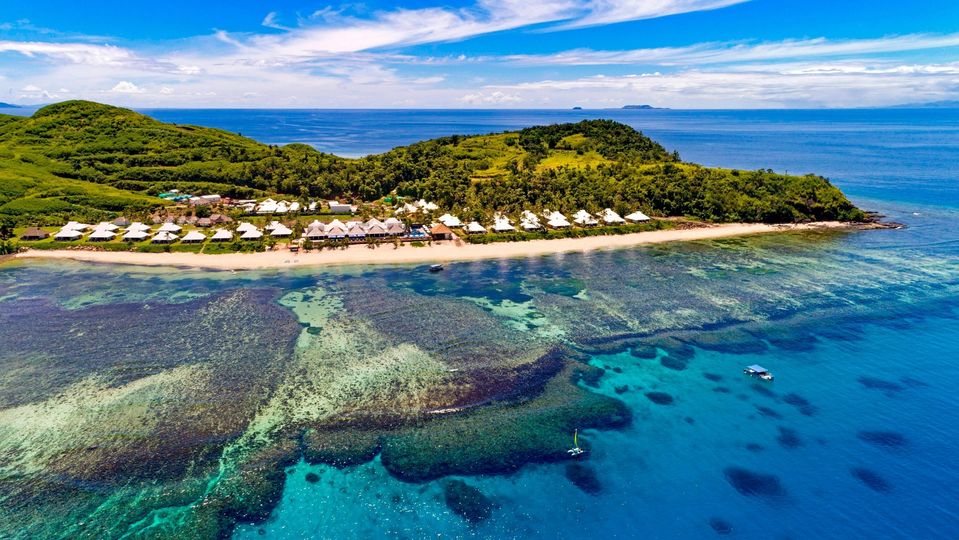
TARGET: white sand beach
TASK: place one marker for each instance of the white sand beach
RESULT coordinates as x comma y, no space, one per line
439,252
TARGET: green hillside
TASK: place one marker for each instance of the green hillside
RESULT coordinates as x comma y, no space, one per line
88,161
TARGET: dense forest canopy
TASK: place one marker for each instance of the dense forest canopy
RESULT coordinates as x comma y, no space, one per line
85,160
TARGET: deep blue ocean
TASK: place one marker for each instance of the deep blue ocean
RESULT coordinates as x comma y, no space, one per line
856,438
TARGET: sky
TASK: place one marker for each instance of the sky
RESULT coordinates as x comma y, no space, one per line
481,53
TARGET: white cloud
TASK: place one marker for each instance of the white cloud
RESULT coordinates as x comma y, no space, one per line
31,88
602,12
730,52
127,87
166,90
491,98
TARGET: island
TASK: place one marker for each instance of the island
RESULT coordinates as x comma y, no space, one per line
591,184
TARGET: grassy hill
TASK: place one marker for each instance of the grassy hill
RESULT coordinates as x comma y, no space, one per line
88,161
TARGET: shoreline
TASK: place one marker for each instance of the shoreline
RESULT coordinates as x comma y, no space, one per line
439,252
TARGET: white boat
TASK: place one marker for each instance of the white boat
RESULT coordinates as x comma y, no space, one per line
575,450
756,370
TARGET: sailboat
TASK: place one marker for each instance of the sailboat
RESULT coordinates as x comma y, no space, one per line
575,450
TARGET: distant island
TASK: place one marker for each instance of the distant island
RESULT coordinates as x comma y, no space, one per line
8,106
949,104
641,107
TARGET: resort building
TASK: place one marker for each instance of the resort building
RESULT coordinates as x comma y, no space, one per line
474,228
375,228
611,218
394,227
245,227
315,232
135,235
193,237
74,226
121,222
584,219
530,221
221,235
336,230
266,207
501,224
164,237
637,217
204,222
427,206
170,228
355,230
137,226
101,235
68,235
440,231
251,234
34,233
340,208
280,231
450,221
556,220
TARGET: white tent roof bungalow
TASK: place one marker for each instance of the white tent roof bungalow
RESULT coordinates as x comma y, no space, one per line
106,226
611,218
584,218
281,231
245,227
135,235
266,207
315,233
450,221
222,235
193,237
68,234
427,206
407,208
354,229
475,228
530,221
637,217
101,235
251,234
294,206
316,224
557,221
164,237
282,207
137,226
170,228
75,226
272,225
312,206
502,224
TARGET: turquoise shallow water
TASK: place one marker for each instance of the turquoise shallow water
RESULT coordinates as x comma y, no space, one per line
127,395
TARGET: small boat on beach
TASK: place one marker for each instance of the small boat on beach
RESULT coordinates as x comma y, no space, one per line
758,371
436,268
575,450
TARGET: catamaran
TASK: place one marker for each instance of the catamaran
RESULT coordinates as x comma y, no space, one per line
575,450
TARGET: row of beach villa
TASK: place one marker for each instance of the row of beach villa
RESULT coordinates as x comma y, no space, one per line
531,222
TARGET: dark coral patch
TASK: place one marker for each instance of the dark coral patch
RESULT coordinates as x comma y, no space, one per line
721,526
874,383
802,404
715,377
660,398
721,390
646,352
312,477
621,389
467,502
886,439
871,479
671,362
768,413
584,477
788,438
755,447
754,484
